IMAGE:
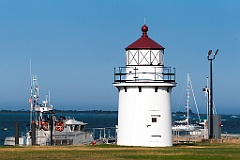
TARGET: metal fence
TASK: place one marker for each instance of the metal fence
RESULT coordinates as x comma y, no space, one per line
122,74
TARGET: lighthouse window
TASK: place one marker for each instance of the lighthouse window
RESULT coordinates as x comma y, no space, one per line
156,136
140,89
154,120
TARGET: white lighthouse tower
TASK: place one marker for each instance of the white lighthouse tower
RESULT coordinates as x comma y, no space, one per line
144,85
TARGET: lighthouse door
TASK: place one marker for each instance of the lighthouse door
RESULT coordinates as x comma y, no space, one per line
154,127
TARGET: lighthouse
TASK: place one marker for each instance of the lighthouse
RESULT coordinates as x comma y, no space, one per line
144,86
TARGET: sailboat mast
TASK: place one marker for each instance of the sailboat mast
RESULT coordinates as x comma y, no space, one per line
188,97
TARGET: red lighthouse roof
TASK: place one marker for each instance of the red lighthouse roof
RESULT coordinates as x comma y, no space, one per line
145,42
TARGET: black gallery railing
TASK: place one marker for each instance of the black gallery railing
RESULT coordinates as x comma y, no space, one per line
158,74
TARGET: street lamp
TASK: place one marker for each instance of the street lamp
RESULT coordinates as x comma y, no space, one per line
211,94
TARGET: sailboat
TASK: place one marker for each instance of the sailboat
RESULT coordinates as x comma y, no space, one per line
184,125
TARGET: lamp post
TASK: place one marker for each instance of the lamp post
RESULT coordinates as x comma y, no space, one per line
211,94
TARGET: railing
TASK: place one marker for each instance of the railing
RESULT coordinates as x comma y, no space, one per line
151,74
105,135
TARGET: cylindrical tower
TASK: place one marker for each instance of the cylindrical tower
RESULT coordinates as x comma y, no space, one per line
144,85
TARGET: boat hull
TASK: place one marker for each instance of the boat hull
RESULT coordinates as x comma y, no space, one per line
62,138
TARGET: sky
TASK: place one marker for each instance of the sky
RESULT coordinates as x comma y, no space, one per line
75,45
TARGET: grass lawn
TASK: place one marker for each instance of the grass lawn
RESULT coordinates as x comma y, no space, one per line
110,152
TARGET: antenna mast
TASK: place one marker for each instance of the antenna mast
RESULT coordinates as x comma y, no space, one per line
31,93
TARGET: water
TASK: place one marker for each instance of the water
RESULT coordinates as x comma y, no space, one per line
8,120
231,124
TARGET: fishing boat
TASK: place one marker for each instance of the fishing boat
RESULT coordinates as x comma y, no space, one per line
46,128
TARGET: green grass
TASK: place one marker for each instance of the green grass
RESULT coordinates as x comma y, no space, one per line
112,152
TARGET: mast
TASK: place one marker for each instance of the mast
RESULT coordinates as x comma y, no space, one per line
188,97
190,87
35,96
31,93
49,97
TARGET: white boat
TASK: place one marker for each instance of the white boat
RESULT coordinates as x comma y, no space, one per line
234,116
185,121
187,127
47,129
184,125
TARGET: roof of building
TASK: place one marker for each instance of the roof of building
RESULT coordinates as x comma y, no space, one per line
144,42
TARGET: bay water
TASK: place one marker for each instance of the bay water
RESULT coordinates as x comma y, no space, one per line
231,124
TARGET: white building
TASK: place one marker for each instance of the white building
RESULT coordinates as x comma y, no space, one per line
144,85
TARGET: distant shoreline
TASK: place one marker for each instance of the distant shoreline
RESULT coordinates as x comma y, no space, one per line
177,113
64,111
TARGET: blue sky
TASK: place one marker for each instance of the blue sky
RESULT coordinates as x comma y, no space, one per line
74,46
